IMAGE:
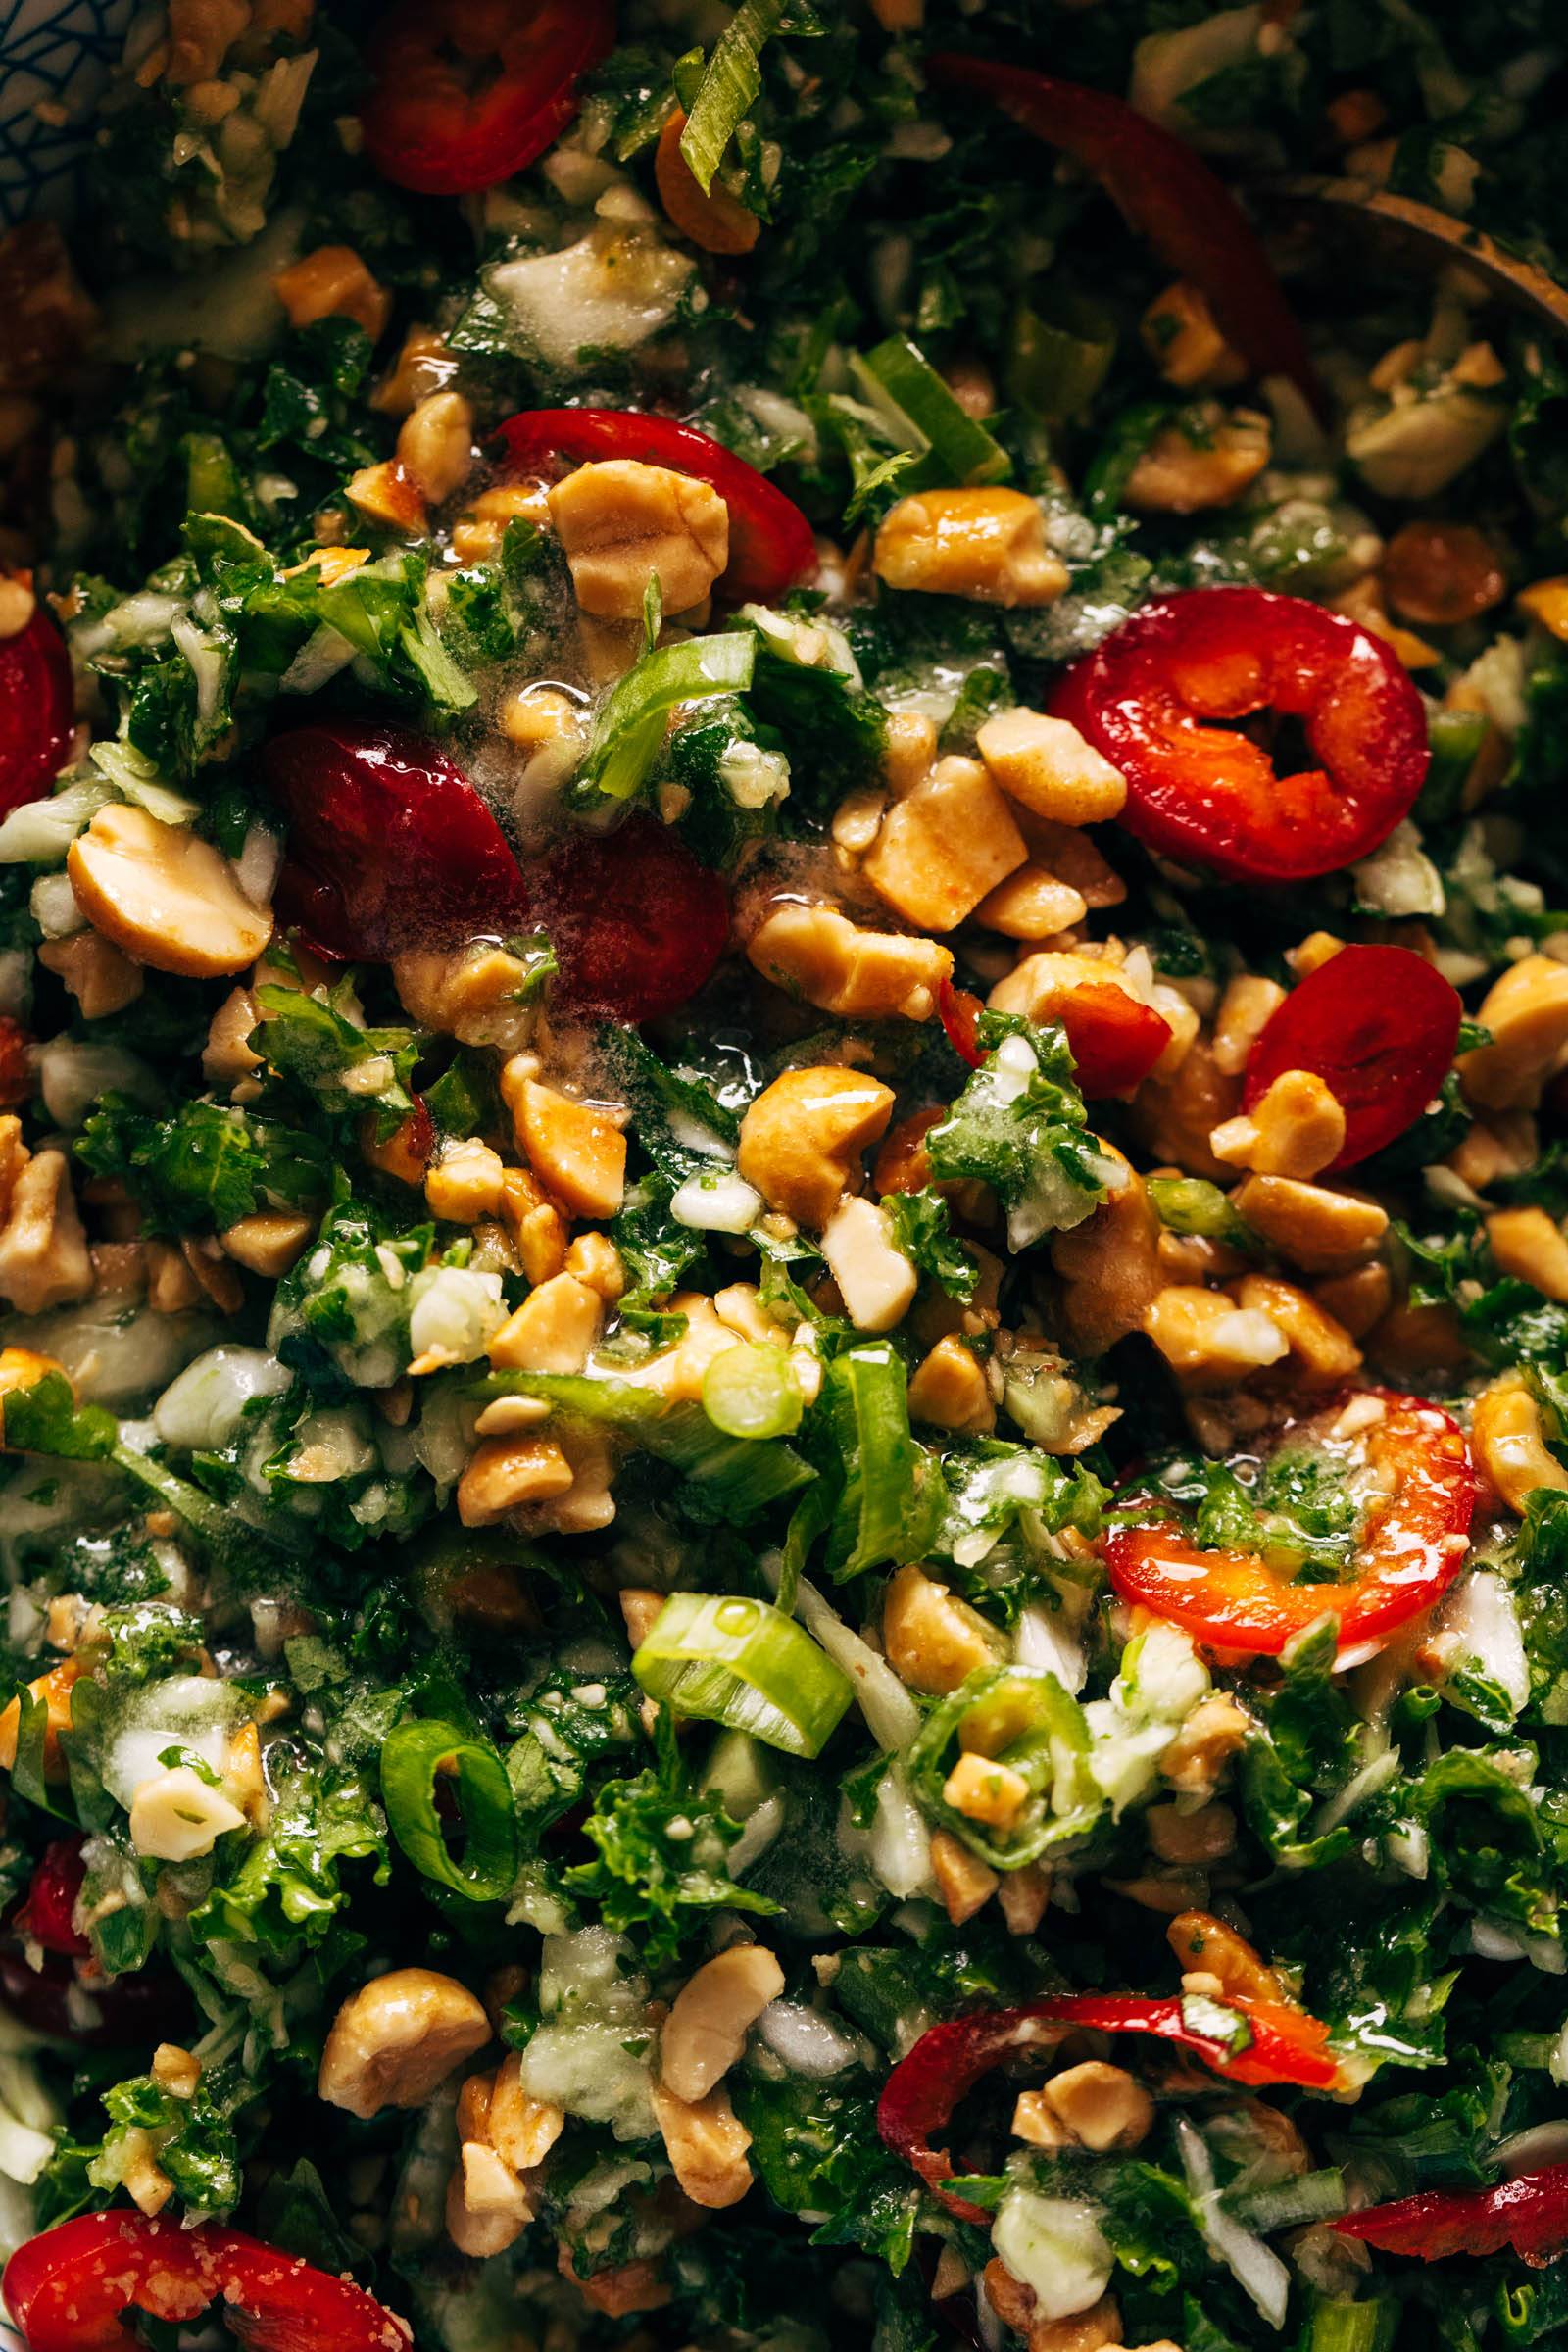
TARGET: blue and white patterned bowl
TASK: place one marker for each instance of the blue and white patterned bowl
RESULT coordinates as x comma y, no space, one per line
54,58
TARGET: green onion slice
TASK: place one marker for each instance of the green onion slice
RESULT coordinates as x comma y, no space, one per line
1056,364
743,1664
906,391
413,1754
730,86
632,725
752,1391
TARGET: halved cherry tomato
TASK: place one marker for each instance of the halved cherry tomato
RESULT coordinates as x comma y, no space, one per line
67,2288
770,543
1166,192
1115,1039
390,847
36,710
45,1915
923,2090
1209,795
1378,1025
637,925
1421,1493
466,92
1530,2215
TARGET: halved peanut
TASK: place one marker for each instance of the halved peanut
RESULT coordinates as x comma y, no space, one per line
1510,1444
165,896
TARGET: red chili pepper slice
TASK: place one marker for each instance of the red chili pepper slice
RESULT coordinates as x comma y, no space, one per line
770,542
466,92
1378,1025
1164,191
72,2000
67,2289
1530,2215
37,706
637,925
1411,1547
1207,793
925,2089
390,847
1114,1037
959,1009
45,1915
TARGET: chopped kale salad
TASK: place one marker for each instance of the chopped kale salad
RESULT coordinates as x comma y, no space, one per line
784,1181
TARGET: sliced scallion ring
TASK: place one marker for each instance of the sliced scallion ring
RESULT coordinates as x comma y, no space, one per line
743,1664
904,388
752,1391
413,1754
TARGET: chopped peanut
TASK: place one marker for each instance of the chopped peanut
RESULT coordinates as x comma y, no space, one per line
474,994
1509,1445
933,1640
389,494
1529,1244
435,445
1322,1348
1207,1339
1037,2122
574,1149
717,221
552,1331
504,1473
1199,1941
1244,1010
1546,601
802,1139
165,896
1185,345
623,523
332,282
478,532
100,978
963,1881
1180,472
819,954
487,2207
522,2128
1031,904
1358,1300
1193,1840
269,1241
424,365
949,1390
908,751
1527,1012
1110,1268
945,846
985,543
1323,1232
465,1183
710,2016
705,2142
1022,1898
1101,2106
43,1249
1051,768
595,1260
1295,1129
876,1280
985,1789
1217,1729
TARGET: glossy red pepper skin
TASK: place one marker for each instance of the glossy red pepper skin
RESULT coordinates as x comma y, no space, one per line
1153,698
45,1915
67,2289
38,705
1412,1545
1166,192
772,548
390,847
426,131
1114,1038
637,925
925,2089
1529,2216
1379,1026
